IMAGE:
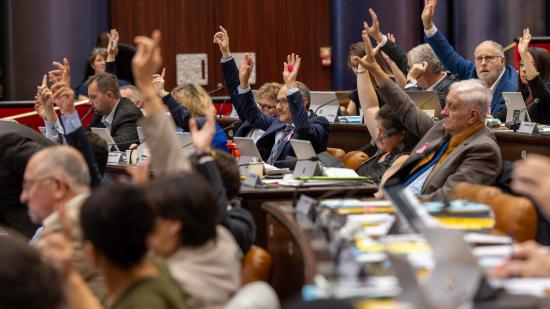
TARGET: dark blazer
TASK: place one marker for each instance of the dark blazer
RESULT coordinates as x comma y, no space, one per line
307,125
465,69
476,160
17,144
79,140
123,129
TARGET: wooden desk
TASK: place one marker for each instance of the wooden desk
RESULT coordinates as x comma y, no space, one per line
298,249
253,198
513,144
354,136
346,136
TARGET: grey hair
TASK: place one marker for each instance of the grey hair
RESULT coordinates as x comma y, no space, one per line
136,94
424,52
475,93
498,48
67,160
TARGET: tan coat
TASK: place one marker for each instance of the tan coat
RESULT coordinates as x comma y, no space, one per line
477,159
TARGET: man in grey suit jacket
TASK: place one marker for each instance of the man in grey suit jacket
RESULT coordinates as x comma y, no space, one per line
457,148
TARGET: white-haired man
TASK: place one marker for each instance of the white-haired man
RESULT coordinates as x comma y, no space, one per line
457,148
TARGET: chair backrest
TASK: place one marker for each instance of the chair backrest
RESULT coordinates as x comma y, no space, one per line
336,152
514,216
255,295
256,266
354,159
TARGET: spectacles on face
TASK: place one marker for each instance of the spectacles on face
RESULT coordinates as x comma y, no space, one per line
479,59
266,107
28,184
282,101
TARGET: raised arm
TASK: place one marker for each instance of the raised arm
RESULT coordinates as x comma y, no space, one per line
110,65
45,109
244,101
388,45
452,60
166,157
179,113
74,131
365,89
536,85
412,118
229,68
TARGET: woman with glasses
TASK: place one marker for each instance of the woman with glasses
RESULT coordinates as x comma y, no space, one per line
267,102
534,79
391,138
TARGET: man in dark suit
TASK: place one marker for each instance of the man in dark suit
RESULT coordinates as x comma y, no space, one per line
119,115
294,121
17,144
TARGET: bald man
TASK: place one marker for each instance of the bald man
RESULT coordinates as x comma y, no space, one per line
57,178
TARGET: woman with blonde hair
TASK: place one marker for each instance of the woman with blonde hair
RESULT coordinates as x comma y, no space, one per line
187,101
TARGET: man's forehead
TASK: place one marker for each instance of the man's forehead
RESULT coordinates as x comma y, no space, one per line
485,49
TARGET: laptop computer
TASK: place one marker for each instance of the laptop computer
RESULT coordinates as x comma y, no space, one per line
304,153
250,160
427,101
456,277
325,103
106,136
516,111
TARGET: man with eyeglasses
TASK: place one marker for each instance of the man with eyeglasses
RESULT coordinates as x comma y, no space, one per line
489,62
17,144
267,98
295,121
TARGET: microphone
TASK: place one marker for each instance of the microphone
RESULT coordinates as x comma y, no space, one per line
127,142
515,124
87,113
328,102
312,158
219,86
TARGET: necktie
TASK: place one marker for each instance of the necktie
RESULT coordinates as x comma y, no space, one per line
287,135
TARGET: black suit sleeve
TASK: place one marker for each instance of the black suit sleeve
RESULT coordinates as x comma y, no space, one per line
78,140
179,113
397,55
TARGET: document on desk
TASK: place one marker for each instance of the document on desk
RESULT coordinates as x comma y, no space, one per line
353,203
531,286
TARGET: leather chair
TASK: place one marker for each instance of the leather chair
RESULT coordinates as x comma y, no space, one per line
256,265
514,216
336,152
354,159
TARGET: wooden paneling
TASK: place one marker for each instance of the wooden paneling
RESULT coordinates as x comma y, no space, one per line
270,28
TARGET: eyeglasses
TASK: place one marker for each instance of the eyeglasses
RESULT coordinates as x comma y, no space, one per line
266,107
282,101
479,59
27,184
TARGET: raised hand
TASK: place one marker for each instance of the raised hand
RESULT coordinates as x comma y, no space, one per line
202,139
147,60
369,60
374,30
44,101
63,96
524,41
428,13
245,71
290,70
63,71
417,70
112,45
222,39
158,83
391,37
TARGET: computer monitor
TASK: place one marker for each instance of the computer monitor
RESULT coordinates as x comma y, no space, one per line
428,101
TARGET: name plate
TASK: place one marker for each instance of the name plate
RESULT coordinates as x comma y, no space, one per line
528,127
114,157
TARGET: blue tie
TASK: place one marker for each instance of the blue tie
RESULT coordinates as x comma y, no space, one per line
287,134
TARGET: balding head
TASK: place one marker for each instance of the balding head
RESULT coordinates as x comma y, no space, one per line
489,61
52,177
